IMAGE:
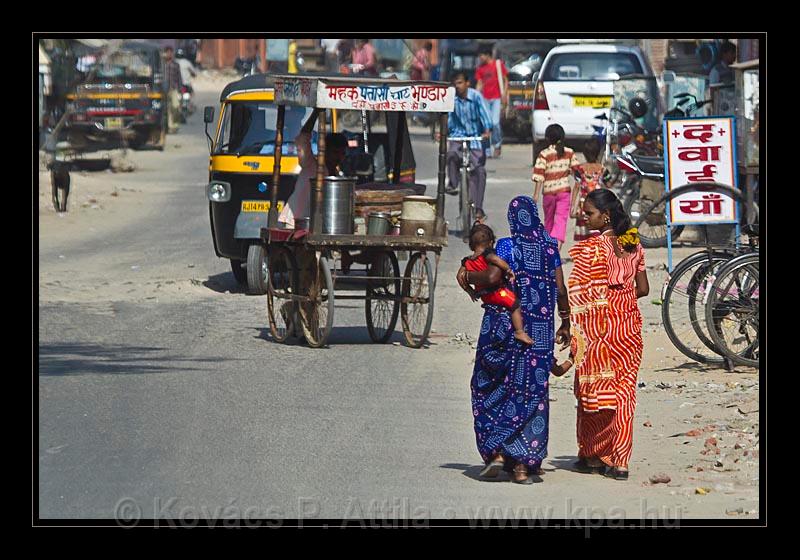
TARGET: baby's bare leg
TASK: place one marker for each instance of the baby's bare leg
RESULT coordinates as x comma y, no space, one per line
519,327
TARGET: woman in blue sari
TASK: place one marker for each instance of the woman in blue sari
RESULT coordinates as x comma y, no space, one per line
510,400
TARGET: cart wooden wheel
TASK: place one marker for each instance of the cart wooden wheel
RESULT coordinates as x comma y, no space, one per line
383,294
416,306
281,285
316,309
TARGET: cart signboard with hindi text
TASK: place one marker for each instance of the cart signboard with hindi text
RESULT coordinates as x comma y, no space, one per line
364,94
700,150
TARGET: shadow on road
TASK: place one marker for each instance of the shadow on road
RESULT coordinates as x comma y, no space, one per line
82,359
339,336
473,472
224,282
566,463
690,366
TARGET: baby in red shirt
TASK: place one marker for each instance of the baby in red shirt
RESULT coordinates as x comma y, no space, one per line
481,241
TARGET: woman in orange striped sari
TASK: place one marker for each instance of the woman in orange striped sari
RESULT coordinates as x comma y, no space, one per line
607,278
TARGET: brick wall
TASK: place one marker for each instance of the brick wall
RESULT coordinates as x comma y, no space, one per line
221,53
658,55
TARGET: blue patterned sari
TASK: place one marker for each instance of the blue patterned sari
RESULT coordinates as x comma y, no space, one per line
510,402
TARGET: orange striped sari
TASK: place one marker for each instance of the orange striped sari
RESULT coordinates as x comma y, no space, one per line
607,345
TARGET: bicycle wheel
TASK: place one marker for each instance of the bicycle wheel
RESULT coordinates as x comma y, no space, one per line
653,227
732,310
381,304
683,306
416,308
464,205
316,311
281,285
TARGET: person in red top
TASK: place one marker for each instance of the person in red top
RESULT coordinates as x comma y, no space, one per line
365,62
421,64
588,177
481,241
495,91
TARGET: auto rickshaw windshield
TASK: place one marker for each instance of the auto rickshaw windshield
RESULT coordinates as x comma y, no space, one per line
249,127
122,66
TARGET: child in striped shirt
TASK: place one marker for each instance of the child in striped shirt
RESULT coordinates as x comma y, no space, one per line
551,174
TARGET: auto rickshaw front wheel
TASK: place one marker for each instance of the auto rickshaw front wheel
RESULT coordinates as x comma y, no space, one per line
239,272
257,269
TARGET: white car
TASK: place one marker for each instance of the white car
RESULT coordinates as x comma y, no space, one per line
576,83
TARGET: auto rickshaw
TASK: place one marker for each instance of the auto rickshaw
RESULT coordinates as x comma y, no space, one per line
242,155
120,102
311,264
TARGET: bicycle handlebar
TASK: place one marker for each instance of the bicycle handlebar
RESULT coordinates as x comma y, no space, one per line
463,138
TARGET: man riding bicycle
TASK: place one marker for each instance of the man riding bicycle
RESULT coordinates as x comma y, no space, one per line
470,117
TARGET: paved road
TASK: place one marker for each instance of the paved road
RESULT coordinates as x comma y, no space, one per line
166,389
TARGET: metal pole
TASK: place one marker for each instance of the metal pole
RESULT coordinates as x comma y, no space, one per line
316,198
442,167
276,168
365,130
402,136
750,198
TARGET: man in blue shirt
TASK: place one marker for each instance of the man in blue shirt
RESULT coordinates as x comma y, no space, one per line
722,73
470,117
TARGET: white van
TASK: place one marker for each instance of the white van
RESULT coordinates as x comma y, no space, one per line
575,84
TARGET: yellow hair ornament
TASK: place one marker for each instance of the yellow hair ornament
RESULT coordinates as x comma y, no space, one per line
630,237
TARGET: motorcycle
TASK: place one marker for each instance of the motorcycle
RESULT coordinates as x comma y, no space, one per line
621,134
679,111
187,107
643,165
246,66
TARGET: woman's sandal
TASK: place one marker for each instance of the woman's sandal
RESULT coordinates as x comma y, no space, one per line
582,466
493,468
616,474
520,475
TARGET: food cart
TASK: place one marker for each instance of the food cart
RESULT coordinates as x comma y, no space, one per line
306,272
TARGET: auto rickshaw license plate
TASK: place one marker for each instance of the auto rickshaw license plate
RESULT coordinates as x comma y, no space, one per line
595,102
255,205
113,123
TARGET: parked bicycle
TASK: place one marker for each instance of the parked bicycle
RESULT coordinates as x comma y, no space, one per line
710,301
